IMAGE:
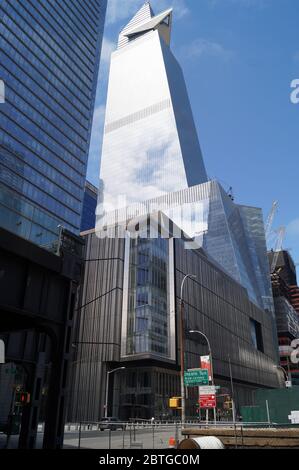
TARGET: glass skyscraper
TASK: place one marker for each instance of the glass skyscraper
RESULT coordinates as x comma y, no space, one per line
151,160
50,53
150,144
90,199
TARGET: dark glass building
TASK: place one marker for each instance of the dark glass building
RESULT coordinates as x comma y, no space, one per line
50,53
135,284
90,199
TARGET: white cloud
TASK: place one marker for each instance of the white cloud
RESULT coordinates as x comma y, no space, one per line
149,163
98,118
119,10
107,48
203,47
95,145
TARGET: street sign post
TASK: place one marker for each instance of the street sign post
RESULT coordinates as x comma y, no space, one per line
207,390
207,401
196,377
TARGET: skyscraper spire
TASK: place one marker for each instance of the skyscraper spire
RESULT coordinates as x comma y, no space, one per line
145,21
142,16
150,144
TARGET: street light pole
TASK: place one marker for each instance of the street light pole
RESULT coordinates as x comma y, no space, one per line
210,351
107,388
232,389
211,361
182,346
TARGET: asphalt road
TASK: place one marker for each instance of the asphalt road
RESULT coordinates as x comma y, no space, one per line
142,438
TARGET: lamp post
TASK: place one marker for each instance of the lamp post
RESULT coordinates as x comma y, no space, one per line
210,351
211,360
182,343
232,389
107,387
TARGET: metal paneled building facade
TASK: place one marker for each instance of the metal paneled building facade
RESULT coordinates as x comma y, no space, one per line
124,324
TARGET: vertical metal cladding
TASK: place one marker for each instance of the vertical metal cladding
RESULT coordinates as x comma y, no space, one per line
99,326
218,306
214,304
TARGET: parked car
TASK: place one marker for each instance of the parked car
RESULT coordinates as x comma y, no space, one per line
111,423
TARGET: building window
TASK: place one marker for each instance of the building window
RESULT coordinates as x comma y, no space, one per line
148,315
256,335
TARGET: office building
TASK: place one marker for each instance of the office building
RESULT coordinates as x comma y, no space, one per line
231,234
135,284
286,269
287,320
285,293
50,53
171,221
294,295
150,144
151,158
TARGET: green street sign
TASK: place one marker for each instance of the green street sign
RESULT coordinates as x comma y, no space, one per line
196,377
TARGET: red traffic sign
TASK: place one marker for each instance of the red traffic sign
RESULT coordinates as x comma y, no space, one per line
207,401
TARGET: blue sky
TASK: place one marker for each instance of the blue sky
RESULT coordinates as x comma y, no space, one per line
239,58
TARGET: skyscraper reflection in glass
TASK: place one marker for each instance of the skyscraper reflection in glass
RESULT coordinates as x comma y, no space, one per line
148,298
150,145
152,163
50,52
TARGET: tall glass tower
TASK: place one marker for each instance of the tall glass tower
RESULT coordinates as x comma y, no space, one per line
150,145
50,53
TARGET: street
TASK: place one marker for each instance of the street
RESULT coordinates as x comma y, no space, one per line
150,438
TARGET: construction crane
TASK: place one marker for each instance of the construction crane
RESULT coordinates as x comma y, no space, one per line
270,219
281,232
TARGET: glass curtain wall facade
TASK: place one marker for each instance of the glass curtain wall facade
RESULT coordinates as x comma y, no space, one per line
148,317
150,144
233,235
90,199
50,52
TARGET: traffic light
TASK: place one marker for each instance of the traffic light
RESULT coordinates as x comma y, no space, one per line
175,402
22,398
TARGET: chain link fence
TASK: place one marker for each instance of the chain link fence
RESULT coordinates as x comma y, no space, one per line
122,435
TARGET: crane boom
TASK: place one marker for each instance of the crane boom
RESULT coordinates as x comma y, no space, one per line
270,219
